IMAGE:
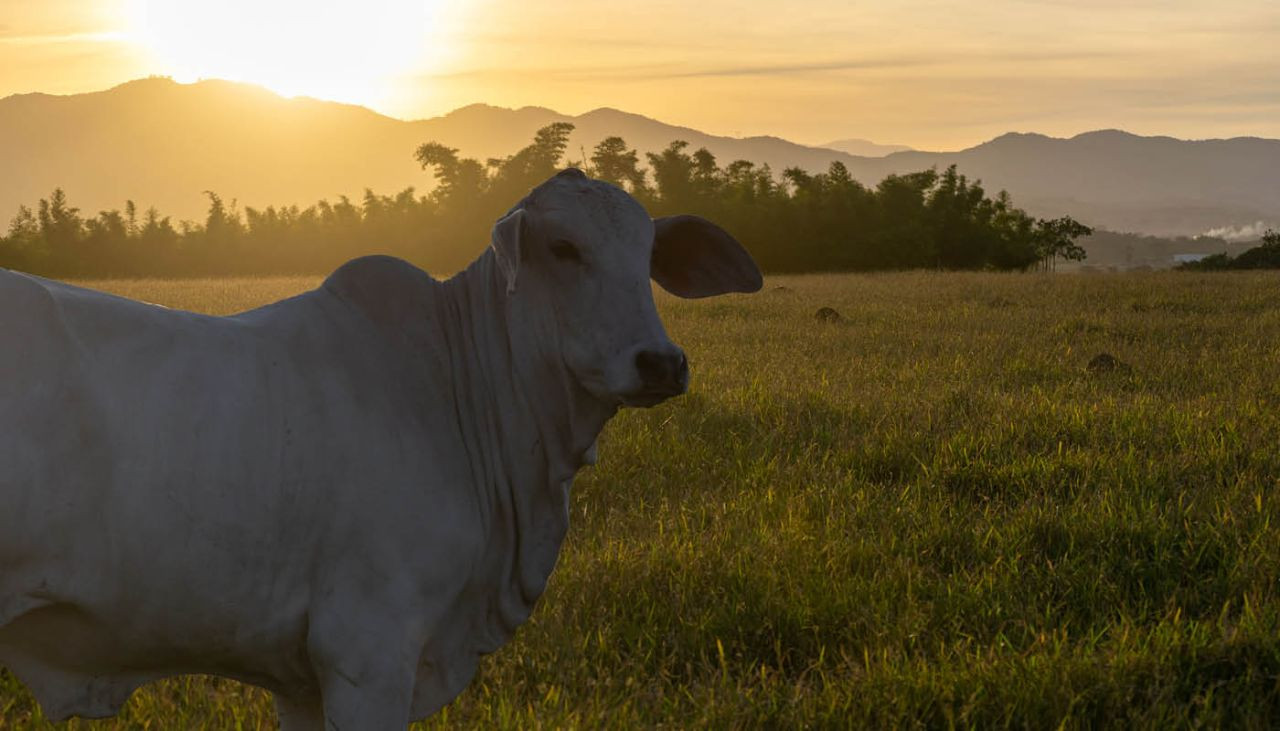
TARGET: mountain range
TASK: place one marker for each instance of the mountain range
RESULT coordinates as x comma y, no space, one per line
161,143
863,148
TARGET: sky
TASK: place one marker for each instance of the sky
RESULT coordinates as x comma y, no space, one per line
925,73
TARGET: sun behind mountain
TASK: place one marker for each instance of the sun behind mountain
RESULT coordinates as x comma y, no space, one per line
356,52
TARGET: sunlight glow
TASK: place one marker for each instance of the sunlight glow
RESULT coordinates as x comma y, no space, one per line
356,51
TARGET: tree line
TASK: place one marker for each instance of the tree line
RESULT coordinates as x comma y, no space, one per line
791,223
1265,255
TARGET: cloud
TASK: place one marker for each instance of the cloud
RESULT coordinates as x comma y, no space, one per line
574,42
40,39
658,72
1249,232
788,69
682,70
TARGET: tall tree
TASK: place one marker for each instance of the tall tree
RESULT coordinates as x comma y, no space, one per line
532,164
23,247
1057,239
613,162
458,180
673,176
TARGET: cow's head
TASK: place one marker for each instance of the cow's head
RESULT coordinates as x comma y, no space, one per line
584,250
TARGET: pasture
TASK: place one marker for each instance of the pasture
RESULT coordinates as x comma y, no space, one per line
929,513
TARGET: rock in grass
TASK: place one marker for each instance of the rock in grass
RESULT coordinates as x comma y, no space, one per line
1107,363
827,314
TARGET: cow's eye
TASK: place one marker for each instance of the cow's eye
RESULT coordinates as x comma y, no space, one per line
565,251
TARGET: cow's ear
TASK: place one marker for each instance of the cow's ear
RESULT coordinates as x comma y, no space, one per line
693,257
505,240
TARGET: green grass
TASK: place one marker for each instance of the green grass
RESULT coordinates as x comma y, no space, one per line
929,514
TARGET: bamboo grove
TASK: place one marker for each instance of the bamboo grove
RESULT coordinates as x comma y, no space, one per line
792,222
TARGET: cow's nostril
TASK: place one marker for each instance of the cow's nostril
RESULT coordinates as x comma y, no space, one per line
650,365
662,369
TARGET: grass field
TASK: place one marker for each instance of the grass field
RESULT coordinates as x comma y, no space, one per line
931,513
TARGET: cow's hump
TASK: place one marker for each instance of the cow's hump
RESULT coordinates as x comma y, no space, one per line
389,291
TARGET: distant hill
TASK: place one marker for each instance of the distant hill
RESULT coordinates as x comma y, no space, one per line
864,148
162,143
1121,181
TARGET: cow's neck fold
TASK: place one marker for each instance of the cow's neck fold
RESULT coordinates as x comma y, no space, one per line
527,424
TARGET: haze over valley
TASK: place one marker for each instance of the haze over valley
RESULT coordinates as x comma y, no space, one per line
161,143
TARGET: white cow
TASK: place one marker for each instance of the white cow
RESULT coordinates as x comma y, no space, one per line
346,497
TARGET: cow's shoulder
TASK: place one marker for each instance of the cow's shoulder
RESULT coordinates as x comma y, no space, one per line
389,291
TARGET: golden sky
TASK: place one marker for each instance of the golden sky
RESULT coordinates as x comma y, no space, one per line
926,73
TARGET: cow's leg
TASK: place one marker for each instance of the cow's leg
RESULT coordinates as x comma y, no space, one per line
299,714
366,671
372,693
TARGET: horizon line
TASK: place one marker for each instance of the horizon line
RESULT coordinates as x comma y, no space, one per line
607,108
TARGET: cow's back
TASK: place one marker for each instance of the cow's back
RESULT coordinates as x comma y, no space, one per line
98,391
147,491
51,432
183,483
46,416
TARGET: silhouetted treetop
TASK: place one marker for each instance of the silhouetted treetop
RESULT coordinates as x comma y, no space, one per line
795,222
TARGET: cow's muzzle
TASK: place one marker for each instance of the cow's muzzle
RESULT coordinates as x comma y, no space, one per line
663,373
